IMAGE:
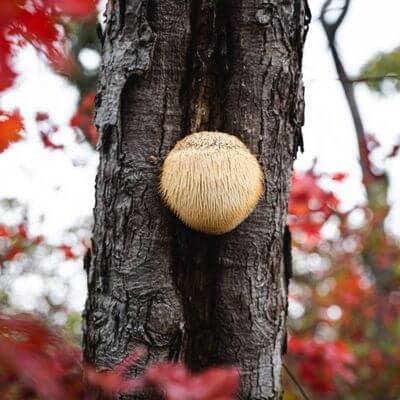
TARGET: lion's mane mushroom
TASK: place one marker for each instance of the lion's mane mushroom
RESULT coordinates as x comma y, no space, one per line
211,181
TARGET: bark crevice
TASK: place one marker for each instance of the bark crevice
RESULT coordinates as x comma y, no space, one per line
196,255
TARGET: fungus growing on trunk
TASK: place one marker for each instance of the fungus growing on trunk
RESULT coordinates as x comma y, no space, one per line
211,181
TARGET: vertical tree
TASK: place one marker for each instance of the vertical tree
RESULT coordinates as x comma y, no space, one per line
171,68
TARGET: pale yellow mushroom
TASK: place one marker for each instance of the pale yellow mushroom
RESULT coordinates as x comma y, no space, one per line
211,181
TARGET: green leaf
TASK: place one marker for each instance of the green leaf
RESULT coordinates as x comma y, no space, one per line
382,72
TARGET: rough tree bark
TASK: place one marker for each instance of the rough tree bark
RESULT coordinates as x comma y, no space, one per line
169,68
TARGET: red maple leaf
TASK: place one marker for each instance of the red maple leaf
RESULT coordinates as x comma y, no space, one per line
41,116
7,74
22,231
68,253
83,118
10,128
179,384
339,176
75,8
4,232
12,252
48,143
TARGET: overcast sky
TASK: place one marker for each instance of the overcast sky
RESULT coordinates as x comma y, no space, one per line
53,188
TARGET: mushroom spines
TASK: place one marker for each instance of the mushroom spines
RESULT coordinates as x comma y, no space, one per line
211,181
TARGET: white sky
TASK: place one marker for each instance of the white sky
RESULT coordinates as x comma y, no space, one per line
49,183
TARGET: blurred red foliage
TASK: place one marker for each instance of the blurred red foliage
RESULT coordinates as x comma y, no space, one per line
46,130
83,119
11,126
179,384
310,206
48,143
39,23
14,240
35,362
67,251
74,8
321,363
349,351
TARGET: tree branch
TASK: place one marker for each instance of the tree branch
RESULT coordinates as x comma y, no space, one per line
334,26
362,79
331,30
296,382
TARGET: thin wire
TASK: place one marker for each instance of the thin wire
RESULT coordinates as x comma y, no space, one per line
296,382
356,80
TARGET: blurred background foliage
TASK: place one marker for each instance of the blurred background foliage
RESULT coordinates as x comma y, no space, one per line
383,65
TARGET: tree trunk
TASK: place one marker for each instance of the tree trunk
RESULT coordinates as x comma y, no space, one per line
171,68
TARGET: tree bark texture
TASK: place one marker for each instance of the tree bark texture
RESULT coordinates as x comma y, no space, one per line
170,68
